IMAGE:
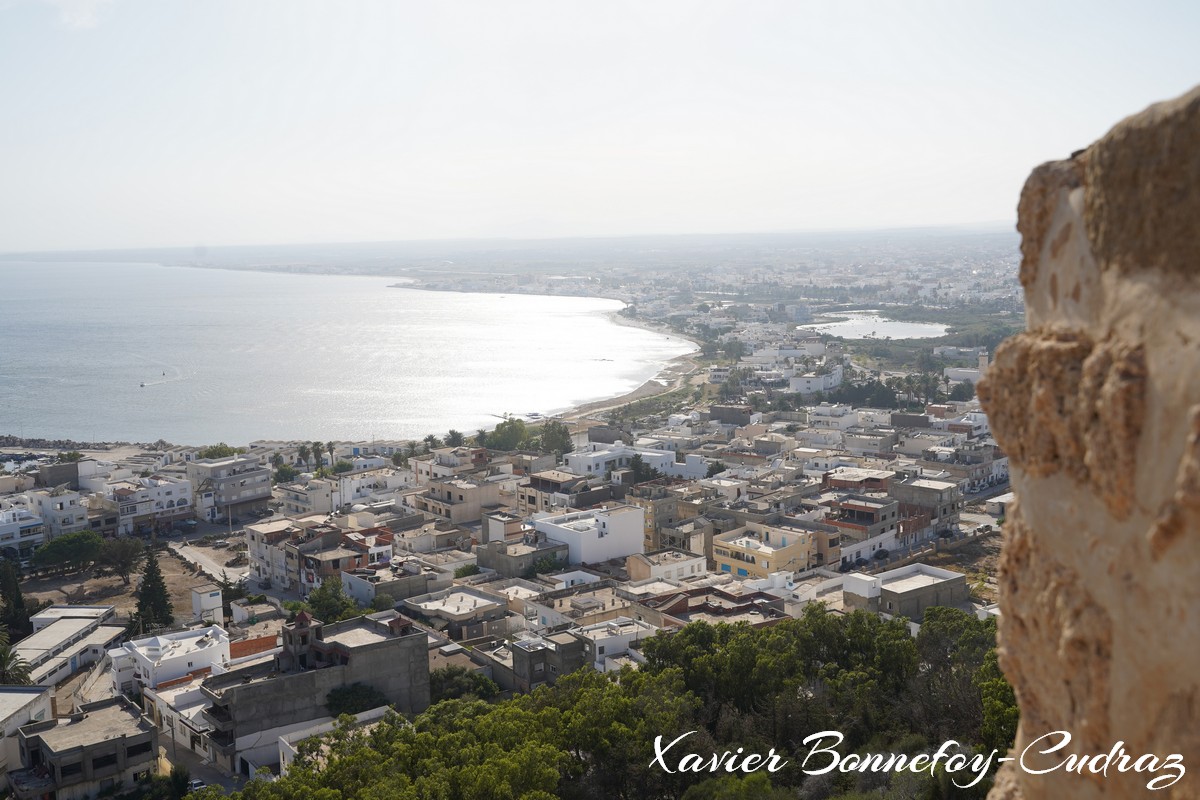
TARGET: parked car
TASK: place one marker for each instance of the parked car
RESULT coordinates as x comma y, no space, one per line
221,543
187,525
881,554
193,785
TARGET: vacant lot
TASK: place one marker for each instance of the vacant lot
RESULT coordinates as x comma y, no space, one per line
979,559
93,587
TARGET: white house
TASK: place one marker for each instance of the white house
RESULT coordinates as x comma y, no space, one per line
598,534
813,382
145,663
604,641
600,459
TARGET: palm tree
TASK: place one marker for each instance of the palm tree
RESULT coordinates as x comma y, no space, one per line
329,447
277,460
431,442
317,447
454,438
302,451
14,670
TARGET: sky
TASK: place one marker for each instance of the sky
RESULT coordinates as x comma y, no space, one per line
143,123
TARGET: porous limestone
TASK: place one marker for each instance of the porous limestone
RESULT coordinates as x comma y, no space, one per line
1097,404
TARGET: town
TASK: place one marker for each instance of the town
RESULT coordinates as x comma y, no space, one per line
306,580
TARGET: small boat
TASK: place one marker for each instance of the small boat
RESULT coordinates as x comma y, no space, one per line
143,384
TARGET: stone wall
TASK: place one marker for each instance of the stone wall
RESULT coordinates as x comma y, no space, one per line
1097,404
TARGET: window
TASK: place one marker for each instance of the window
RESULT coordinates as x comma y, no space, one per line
71,769
138,749
101,762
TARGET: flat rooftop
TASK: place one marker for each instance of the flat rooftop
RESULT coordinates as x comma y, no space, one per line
97,725
358,636
456,603
915,580
76,612
14,698
33,646
928,483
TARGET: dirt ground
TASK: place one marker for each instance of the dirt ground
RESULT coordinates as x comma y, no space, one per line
980,560
86,588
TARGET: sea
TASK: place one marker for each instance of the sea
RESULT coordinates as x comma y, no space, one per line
139,352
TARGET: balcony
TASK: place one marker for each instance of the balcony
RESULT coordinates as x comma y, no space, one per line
220,716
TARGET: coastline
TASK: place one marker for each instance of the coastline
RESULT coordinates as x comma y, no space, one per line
672,375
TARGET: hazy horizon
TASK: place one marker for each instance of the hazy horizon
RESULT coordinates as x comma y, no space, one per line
984,228
128,124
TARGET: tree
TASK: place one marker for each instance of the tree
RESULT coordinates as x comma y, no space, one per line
555,437
481,437
154,609
122,556
399,459
342,466
544,565
511,434
179,780
431,443
14,670
72,456
286,473
329,602
16,612
303,452
277,460
220,450
963,391
453,682
715,468
642,471
317,449
70,551
354,699
466,571
329,448
455,438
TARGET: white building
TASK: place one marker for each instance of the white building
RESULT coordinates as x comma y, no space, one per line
148,662
62,511
605,641
597,534
21,532
19,705
600,459
66,639
813,382
146,504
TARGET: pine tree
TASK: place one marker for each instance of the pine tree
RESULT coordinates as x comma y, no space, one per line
16,613
154,603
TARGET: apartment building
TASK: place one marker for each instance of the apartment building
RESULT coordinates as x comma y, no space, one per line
757,550
232,485
105,747
21,532
458,500
598,534
61,510
250,707
148,505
